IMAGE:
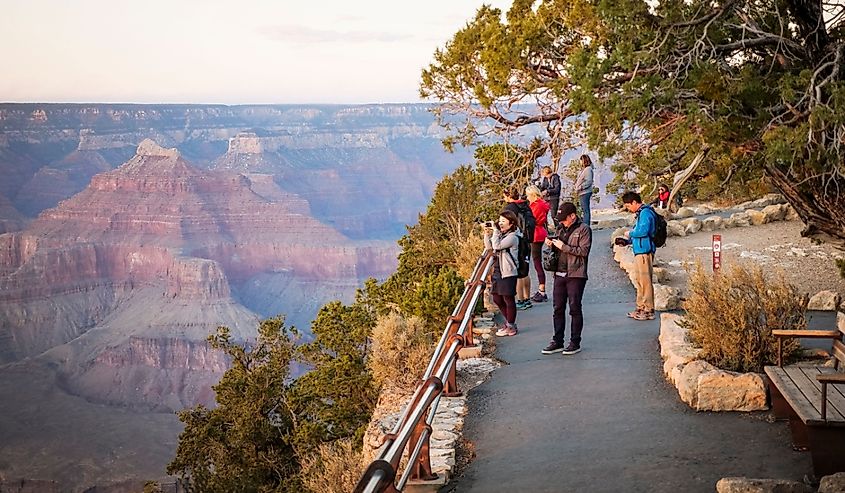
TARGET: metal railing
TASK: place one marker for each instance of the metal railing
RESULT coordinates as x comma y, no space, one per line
413,430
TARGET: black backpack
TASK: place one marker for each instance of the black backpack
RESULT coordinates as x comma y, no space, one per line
660,230
527,225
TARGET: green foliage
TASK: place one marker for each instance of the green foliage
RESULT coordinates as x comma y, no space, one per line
758,84
336,397
731,317
243,444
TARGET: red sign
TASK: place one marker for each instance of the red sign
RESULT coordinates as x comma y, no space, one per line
717,252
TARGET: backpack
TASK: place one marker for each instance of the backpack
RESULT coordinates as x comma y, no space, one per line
551,257
660,230
527,225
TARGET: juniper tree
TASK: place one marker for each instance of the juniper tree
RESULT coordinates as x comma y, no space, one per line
755,85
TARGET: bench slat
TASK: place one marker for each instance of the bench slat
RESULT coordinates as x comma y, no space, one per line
803,396
805,378
835,397
839,351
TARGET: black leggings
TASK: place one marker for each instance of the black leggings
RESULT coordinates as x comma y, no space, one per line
507,305
537,255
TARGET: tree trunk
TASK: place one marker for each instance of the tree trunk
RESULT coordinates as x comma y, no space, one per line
819,202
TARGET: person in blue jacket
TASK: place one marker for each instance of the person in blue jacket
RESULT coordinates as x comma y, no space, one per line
641,239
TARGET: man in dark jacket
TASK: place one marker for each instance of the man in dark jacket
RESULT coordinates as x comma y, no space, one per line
549,184
573,241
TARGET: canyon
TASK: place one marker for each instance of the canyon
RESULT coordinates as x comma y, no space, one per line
129,233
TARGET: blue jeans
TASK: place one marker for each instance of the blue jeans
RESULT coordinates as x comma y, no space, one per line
584,201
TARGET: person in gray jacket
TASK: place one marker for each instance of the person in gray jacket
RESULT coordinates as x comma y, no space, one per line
503,239
574,240
584,187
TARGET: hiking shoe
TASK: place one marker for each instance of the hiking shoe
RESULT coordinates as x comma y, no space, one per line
539,297
552,348
571,349
635,313
644,316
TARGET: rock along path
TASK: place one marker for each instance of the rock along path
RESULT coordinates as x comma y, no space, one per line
606,420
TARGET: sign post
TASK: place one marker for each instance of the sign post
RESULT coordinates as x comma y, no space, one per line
717,253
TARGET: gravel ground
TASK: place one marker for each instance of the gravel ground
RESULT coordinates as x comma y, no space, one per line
778,247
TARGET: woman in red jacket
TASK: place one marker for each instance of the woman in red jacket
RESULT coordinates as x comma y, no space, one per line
540,210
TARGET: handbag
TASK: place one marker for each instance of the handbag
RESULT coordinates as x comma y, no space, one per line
550,258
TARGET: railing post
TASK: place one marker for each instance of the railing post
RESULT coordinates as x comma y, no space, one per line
422,466
450,385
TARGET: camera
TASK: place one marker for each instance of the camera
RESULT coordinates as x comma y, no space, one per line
489,224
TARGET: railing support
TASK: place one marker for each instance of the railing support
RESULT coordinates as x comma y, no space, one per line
421,468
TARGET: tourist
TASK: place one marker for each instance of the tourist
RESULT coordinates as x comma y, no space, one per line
526,224
662,200
573,241
641,240
549,185
503,238
540,208
584,187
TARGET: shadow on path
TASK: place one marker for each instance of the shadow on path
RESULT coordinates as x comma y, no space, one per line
606,420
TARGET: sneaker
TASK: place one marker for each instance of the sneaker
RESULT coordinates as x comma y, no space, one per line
635,313
507,331
571,349
552,348
539,297
526,304
644,316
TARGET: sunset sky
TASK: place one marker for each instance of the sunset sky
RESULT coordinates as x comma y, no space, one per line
212,51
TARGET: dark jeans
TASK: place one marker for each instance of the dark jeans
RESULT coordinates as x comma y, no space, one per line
553,204
568,290
507,305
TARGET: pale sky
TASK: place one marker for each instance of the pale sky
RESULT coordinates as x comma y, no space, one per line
214,51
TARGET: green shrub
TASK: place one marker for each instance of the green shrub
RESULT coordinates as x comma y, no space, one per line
731,315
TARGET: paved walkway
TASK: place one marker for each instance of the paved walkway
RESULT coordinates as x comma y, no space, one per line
605,420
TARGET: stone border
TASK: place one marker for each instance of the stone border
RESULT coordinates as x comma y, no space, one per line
701,385
448,422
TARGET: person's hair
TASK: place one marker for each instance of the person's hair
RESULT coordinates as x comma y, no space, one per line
585,160
510,216
513,193
532,191
565,210
663,186
629,197
546,169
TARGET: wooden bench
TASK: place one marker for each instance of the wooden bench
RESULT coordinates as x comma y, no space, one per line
809,397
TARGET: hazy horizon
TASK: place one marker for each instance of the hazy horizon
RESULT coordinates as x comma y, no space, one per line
259,53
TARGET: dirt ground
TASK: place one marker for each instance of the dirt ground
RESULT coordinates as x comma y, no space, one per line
778,247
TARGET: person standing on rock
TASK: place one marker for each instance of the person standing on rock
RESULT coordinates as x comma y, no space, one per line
642,243
549,185
573,242
503,239
584,187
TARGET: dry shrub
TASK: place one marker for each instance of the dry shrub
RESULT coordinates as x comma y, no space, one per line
731,317
335,467
401,349
466,254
